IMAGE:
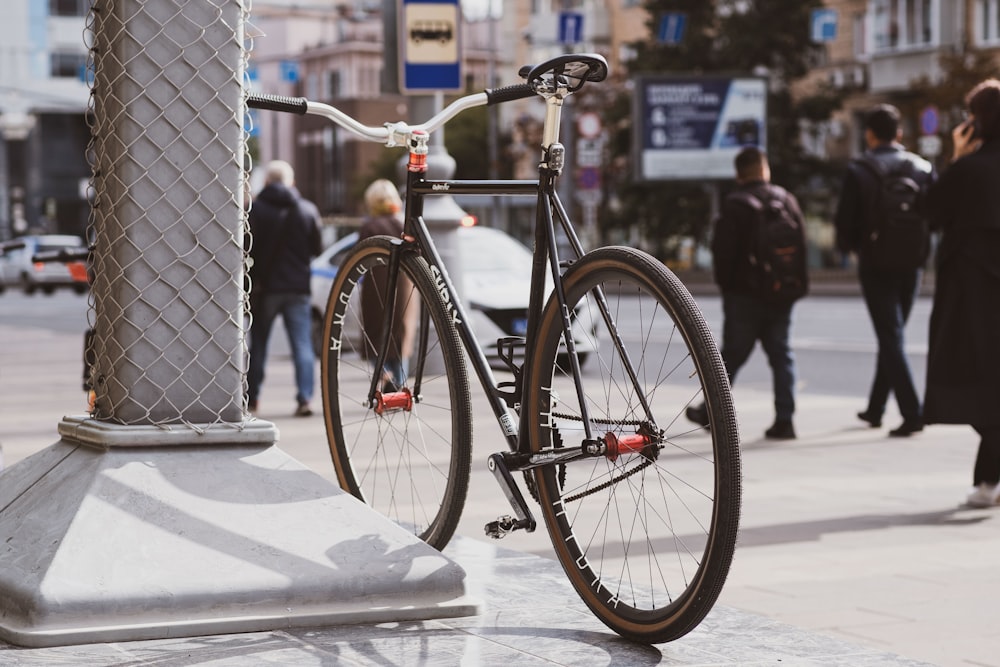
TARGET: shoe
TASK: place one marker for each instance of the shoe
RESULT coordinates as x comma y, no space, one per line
698,414
984,495
782,429
873,420
303,410
907,428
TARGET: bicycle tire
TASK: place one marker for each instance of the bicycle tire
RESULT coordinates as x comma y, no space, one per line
410,464
646,539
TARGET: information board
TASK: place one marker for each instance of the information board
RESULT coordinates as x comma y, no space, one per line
691,128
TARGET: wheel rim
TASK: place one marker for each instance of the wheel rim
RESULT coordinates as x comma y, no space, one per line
401,457
641,531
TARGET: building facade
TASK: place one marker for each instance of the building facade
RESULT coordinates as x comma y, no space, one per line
881,48
336,51
43,131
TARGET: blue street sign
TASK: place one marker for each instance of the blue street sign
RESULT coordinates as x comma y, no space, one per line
823,25
672,28
289,71
570,27
429,32
929,120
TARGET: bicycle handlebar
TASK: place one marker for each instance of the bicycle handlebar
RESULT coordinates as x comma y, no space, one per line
393,134
518,91
568,71
278,103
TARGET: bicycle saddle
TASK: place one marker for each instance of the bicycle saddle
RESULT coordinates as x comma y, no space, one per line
571,70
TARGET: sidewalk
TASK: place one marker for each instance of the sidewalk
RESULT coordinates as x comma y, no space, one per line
854,551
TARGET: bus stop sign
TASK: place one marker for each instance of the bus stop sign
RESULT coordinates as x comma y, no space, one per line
429,51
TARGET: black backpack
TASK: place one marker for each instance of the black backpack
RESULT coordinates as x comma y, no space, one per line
778,248
897,235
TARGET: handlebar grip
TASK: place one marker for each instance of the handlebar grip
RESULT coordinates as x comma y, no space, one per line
278,103
508,93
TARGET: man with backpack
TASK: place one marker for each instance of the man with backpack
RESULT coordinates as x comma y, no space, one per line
759,260
880,218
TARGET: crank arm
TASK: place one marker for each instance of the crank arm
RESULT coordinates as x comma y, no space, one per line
504,525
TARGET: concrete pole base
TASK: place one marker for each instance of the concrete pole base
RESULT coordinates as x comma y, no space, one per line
147,542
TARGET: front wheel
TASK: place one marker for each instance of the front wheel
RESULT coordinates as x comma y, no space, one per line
408,453
647,530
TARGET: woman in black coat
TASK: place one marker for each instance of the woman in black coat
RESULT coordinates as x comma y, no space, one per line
963,362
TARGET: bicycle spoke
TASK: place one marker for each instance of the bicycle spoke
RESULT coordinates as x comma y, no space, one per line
646,535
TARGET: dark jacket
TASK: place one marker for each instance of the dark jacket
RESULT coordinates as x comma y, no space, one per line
735,234
286,237
860,187
963,358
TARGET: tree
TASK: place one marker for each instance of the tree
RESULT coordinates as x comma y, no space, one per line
769,37
961,70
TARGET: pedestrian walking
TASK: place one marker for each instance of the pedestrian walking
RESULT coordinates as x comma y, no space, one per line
758,255
383,206
881,218
286,236
963,357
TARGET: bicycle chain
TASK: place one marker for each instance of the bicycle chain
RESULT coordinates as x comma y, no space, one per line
616,422
614,480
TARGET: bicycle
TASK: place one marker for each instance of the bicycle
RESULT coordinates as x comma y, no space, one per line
641,508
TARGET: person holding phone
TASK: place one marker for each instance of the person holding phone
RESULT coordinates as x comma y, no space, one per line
963,357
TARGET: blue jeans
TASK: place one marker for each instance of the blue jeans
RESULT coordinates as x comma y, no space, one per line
746,320
296,315
889,297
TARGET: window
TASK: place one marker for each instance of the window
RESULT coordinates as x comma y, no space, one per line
332,84
68,65
986,26
69,7
860,33
886,28
900,24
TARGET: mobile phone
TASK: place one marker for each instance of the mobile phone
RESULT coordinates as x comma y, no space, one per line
971,129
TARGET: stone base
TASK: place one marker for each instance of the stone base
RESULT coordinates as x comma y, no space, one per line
147,542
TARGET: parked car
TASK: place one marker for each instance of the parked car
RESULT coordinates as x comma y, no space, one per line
19,268
495,288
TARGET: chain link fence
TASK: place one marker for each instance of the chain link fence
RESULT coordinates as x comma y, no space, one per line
168,222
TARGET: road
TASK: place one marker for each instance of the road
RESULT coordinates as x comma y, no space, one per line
831,336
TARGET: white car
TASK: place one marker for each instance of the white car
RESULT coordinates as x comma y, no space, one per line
19,268
495,287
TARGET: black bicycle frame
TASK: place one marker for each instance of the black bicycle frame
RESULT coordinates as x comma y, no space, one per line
416,189
544,258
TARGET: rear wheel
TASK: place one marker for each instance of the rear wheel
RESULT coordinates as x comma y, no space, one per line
645,532
408,455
